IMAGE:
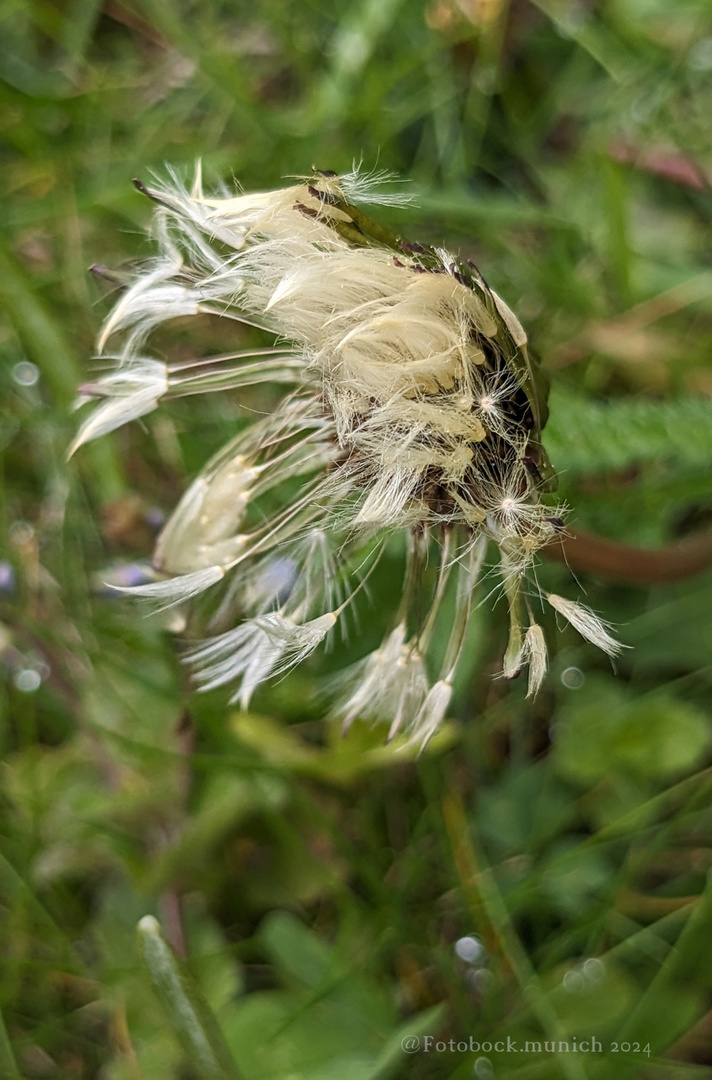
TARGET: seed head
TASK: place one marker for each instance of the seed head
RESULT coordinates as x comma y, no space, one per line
411,404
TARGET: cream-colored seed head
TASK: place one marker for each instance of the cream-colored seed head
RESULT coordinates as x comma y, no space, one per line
411,405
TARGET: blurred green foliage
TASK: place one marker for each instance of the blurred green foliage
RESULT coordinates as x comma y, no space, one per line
315,887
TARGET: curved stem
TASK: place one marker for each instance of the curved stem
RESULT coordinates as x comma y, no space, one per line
631,565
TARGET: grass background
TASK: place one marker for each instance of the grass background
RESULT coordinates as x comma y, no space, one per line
316,887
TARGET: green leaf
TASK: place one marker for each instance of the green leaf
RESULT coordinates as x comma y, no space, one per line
585,436
294,949
575,878
606,731
526,809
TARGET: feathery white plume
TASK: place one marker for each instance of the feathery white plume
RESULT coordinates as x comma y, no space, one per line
127,394
535,655
431,713
176,590
588,624
263,646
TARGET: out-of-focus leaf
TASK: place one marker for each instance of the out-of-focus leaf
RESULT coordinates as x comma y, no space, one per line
678,993
585,436
575,877
296,951
334,1021
591,995
527,809
228,800
675,632
213,961
345,759
605,731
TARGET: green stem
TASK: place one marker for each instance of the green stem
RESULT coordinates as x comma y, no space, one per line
189,1018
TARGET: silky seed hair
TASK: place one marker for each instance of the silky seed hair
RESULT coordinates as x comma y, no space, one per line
410,405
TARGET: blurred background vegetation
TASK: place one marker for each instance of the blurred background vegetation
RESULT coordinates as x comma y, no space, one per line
542,872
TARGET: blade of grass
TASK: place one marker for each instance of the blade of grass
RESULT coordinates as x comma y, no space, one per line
350,51
484,898
8,1065
39,332
591,35
688,965
78,29
48,347
189,1017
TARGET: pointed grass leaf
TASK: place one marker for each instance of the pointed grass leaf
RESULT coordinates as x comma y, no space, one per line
188,1017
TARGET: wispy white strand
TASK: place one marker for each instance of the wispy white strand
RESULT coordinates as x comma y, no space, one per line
372,187
166,594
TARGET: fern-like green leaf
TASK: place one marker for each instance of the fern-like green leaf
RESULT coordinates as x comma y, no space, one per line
587,436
